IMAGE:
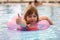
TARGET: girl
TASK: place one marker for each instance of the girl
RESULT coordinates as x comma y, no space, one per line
32,19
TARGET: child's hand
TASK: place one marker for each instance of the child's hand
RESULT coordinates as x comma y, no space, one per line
18,20
18,15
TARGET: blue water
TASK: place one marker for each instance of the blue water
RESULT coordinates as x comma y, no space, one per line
52,33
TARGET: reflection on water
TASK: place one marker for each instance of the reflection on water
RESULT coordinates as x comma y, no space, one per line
7,11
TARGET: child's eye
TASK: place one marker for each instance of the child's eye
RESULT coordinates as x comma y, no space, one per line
34,16
30,16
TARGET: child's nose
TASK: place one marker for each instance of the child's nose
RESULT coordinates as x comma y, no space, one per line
32,19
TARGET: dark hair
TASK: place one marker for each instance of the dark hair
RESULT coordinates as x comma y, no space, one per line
30,11
35,1
30,2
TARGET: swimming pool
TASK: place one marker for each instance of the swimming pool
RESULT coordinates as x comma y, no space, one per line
51,33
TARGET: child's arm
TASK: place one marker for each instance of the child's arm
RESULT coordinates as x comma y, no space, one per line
51,23
46,18
20,22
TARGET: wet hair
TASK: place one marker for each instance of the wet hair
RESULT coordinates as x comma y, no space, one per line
35,1
30,2
30,11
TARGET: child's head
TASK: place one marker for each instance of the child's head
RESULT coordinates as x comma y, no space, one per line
36,2
30,2
31,15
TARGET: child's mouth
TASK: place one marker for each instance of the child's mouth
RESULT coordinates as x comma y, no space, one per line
33,22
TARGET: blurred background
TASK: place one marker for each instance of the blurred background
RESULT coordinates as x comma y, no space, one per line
50,8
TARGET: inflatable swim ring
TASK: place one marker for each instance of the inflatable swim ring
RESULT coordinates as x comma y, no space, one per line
41,25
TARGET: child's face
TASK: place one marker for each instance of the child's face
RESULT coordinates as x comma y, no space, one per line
32,18
36,4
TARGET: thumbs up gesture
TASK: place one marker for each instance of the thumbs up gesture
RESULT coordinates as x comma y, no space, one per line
18,20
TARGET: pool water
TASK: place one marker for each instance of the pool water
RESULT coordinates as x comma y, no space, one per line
8,11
